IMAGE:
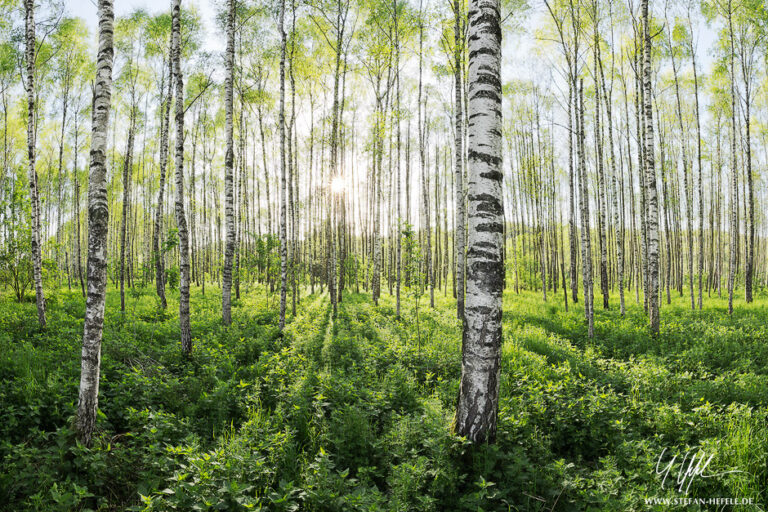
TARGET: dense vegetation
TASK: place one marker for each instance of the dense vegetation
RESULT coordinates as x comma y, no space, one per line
350,262
355,413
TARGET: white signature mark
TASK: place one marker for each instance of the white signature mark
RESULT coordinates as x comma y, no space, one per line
692,465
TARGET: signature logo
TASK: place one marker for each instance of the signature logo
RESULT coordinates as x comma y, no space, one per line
689,468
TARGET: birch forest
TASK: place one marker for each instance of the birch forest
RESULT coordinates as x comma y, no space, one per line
383,255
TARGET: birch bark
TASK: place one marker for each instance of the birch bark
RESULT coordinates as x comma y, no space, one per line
98,224
477,410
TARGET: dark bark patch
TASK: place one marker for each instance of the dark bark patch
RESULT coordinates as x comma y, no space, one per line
490,227
492,175
486,158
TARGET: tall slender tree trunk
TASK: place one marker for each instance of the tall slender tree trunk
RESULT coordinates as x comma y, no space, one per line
127,167
734,231
181,219
686,171
76,211
749,270
98,225
60,180
652,200
586,237
229,179
698,159
460,249
477,410
283,172
164,129
601,199
572,234
37,256
618,206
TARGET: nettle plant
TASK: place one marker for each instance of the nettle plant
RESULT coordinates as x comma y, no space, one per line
415,277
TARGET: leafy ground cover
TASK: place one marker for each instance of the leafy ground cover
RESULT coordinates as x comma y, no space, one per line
354,413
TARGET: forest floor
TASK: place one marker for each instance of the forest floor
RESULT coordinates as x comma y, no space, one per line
354,413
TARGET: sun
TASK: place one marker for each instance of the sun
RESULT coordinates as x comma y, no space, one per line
338,185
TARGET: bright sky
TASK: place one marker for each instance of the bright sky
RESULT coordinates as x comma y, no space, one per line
517,47
86,9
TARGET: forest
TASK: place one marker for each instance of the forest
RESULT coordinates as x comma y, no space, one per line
344,255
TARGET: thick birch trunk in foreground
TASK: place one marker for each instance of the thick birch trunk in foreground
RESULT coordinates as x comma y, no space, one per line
98,223
652,199
477,410
37,257
181,219
229,194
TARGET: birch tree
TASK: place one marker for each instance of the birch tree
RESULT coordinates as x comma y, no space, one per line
98,225
164,129
460,235
283,177
651,196
229,177
477,409
37,256
181,219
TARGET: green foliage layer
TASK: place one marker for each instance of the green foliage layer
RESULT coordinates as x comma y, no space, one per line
354,413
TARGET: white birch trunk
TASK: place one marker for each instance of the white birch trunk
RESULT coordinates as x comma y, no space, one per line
652,200
477,409
229,199
98,224
37,257
460,248
283,180
181,219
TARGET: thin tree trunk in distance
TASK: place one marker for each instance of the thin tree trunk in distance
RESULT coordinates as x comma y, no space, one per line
164,129
127,165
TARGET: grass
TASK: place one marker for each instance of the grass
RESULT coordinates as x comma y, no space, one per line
354,412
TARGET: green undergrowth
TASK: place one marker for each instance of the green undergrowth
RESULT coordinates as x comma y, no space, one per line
354,412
